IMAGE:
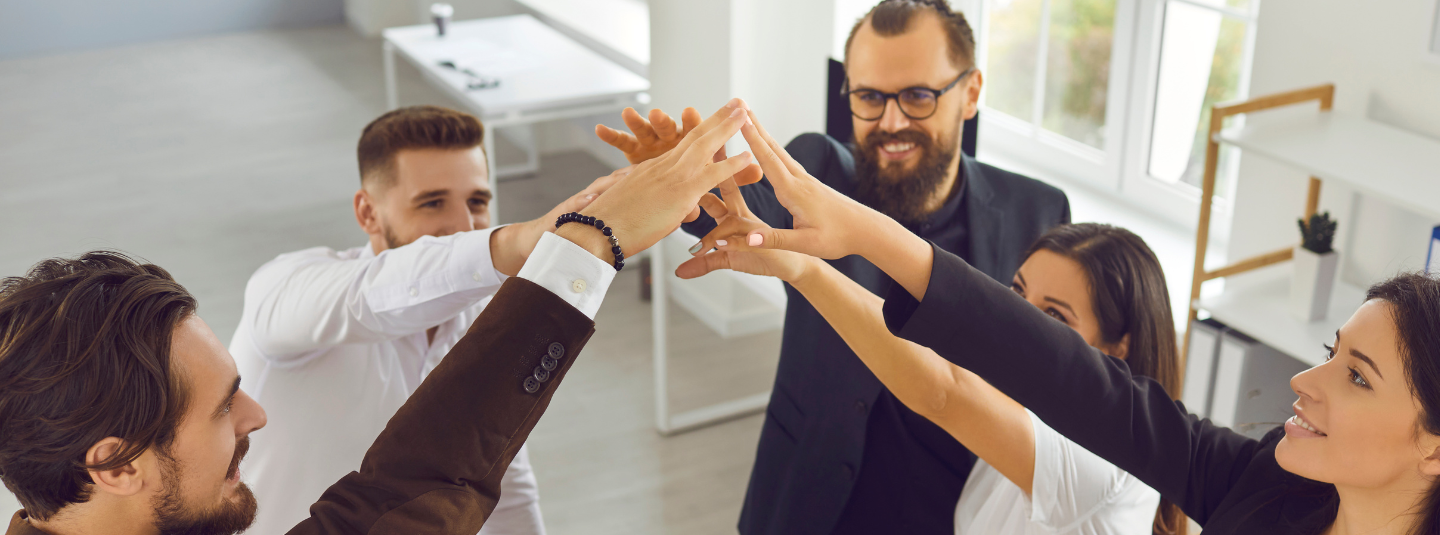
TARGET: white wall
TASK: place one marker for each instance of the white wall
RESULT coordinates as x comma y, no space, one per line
772,54
32,27
1374,53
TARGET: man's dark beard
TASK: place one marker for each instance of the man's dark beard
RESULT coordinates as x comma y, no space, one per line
228,518
893,191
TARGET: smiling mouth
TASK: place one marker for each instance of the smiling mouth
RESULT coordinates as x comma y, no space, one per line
1301,423
897,150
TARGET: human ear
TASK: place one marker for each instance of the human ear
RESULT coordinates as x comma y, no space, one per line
1430,465
1120,349
124,480
365,212
972,94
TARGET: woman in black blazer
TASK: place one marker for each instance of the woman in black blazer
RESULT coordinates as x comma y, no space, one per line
1361,455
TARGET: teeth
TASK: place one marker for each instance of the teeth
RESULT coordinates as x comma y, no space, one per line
1304,425
898,147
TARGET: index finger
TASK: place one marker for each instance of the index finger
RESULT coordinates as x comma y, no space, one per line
703,147
775,146
709,124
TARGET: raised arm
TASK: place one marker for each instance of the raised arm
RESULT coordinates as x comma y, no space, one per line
972,321
991,425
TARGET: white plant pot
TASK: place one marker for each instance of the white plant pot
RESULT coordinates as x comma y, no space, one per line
1312,283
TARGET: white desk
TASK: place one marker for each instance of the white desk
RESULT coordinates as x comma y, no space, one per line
542,75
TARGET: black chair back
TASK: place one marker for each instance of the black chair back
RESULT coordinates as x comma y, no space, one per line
837,113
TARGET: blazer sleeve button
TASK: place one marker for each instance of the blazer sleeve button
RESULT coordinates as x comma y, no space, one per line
556,350
541,374
548,363
532,385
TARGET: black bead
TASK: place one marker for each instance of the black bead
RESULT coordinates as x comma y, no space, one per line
605,231
599,223
619,265
615,249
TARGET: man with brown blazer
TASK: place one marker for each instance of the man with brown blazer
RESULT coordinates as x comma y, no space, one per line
120,412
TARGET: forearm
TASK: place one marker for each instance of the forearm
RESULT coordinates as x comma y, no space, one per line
987,422
901,254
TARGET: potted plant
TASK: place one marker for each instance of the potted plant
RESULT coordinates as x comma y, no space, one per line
1316,264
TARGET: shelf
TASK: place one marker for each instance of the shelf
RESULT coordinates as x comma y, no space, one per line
1378,160
1258,305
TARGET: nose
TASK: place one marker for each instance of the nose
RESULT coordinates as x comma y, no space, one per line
249,415
893,120
458,219
1306,383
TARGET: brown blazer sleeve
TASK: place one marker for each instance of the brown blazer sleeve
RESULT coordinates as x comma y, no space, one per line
437,466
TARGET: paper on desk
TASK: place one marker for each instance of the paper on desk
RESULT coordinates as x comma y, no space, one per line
489,59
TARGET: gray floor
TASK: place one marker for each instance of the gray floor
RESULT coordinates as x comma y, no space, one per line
210,156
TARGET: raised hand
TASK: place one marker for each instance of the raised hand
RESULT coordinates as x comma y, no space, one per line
648,139
657,195
511,245
734,221
830,225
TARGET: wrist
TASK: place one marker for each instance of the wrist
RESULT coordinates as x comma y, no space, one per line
805,273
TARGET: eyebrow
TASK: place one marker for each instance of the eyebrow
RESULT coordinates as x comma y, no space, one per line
234,387
1357,354
437,193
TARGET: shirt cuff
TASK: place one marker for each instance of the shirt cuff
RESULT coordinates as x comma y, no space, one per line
570,272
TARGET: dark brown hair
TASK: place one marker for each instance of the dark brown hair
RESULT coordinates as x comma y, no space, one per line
1127,287
1415,308
414,127
892,17
85,355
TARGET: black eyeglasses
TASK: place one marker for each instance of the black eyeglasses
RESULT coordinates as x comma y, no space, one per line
916,102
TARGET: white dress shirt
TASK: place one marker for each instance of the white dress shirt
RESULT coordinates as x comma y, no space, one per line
332,343
1074,492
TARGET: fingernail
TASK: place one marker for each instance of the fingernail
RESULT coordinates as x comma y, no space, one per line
720,243
734,102
696,248
756,240
747,119
738,112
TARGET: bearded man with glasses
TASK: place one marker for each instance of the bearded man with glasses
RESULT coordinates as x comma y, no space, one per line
838,453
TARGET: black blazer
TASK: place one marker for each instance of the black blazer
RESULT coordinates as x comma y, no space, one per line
813,441
1227,482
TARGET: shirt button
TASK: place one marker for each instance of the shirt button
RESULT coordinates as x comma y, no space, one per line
476,276
578,286
860,408
414,292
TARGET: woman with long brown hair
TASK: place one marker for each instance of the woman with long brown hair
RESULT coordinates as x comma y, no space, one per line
1099,280
1361,454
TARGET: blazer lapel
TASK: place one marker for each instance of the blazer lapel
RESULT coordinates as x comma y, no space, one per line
986,222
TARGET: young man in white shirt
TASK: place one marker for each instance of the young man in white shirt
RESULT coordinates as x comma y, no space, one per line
334,342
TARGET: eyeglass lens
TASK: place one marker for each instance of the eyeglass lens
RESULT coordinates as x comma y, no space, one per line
870,105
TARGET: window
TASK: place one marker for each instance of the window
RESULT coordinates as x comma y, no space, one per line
1116,93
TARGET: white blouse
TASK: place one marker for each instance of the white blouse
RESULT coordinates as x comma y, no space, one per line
1074,492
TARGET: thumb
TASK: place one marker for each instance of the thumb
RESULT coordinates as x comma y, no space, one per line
799,240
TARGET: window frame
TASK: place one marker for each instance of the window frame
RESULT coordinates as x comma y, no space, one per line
1122,171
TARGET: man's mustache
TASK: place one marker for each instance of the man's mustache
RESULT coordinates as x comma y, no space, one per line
242,447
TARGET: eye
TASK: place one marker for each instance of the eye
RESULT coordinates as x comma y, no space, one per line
1358,380
1329,352
1017,288
432,204
228,405
870,97
917,96
477,203
1057,315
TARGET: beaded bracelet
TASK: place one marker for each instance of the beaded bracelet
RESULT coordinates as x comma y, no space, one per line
575,217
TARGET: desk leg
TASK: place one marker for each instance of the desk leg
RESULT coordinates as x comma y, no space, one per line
491,171
392,96
666,423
